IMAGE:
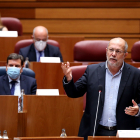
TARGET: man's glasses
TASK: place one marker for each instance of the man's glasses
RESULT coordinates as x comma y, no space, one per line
116,51
37,39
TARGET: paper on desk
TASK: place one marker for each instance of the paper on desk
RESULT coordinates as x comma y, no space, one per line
50,59
47,92
8,34
129,133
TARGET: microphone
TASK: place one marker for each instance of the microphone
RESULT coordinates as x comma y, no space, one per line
100,88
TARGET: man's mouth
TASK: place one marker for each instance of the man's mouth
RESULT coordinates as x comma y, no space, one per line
113,59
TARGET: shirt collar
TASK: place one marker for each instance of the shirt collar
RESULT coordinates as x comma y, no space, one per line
38,51
18,79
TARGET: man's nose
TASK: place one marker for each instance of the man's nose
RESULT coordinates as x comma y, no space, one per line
114,53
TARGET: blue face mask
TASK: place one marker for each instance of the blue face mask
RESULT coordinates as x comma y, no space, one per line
13,72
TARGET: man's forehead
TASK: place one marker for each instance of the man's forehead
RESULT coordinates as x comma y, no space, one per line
14,61
117,42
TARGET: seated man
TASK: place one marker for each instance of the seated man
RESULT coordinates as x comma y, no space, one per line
40,48
13,82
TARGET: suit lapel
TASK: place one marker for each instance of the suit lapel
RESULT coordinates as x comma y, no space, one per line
125,75
6,85
101,75
46,51
32,53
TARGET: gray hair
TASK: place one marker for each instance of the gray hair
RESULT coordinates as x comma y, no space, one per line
126,45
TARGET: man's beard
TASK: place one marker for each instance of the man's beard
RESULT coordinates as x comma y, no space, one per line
116,64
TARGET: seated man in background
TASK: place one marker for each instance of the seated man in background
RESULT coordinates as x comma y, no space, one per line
40,48
13,82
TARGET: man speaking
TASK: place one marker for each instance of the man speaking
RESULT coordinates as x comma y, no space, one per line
119,97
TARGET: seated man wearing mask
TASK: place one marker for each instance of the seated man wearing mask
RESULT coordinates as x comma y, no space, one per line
40,48
13,82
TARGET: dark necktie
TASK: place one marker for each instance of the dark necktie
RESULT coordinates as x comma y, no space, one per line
13,87
40,54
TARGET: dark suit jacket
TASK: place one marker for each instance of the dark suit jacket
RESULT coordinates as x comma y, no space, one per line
93,77
27,83
50,51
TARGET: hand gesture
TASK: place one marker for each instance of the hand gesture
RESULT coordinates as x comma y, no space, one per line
67,71
132,110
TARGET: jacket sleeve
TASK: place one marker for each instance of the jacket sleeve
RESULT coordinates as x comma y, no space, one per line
34,87
77,89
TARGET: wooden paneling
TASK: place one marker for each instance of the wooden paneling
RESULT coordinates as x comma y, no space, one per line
87,13
18,13
48,115
9,115
67,45
56,4
92,0
128,57
83,26
8,44
96,35
52,75
89,19
130,43
16,0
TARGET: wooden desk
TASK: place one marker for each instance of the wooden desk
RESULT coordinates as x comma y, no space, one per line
47,115
9,115
49,75
109,138
44,116
7,45
50,138
134,64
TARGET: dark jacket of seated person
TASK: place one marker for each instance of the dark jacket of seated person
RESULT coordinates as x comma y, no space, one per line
49,51
27,83
13,81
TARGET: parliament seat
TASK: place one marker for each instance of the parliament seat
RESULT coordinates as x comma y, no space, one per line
13,24
26,71
90,51
26,42
77,72
135,56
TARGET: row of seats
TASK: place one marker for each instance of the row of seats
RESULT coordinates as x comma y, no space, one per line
85,51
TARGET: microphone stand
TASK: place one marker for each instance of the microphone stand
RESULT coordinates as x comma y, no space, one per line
96,112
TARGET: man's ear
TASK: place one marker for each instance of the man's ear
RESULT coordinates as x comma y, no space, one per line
106,50
6,68
21,70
